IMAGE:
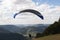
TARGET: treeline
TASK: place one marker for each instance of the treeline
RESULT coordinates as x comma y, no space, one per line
52,29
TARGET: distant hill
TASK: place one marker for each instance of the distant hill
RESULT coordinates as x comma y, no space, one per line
37,28
11,36
7,32
3,30
21,29
10,28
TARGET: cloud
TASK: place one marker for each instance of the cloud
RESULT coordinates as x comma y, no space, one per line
50,12
8,8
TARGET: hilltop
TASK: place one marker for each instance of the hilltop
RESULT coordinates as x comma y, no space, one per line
50,37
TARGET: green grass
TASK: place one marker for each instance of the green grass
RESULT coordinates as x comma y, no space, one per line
50,37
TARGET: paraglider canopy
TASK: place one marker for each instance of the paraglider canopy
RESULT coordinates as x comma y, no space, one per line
31,11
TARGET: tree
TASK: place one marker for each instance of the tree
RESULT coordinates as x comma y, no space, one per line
53,29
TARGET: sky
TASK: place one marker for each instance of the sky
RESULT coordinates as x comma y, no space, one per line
50,9
50,2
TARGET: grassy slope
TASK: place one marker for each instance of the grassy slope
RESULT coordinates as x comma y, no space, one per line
50,37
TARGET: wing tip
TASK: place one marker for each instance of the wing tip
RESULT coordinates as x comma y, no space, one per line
15,15
42,17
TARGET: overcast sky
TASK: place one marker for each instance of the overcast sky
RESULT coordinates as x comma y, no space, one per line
50,9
